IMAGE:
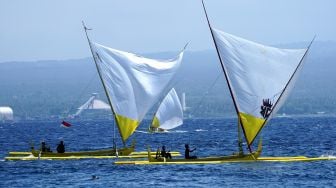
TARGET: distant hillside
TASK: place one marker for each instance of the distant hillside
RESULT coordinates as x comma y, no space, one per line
45,89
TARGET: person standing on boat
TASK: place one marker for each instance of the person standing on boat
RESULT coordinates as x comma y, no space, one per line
164,153
187,152
60,147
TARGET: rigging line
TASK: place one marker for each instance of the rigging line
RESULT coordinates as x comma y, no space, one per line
204,94
101,78
283,91
178,82
226,76
80,95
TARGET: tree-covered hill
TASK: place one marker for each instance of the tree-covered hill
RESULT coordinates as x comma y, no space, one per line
45,89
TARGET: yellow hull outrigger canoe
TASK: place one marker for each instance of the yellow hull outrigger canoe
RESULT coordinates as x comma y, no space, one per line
234,157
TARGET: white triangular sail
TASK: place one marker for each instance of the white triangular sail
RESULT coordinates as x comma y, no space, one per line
133,83
258,76
170,113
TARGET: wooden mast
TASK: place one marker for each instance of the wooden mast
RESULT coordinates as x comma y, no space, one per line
227,80
101,79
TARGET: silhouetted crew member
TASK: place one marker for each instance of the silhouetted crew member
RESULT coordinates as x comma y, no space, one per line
158,153
60,147
187,152
45,147
164,153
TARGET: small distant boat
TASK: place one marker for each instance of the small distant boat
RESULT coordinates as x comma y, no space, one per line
169,114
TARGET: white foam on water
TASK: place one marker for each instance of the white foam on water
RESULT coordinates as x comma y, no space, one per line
145,132
180,131
330,155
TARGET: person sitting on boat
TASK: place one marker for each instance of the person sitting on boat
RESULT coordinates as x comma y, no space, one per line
164,153
158,153
44,147
187,152
60,147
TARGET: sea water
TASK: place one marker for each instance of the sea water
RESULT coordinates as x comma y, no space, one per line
288,136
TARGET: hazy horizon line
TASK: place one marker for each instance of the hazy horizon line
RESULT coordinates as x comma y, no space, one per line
157,52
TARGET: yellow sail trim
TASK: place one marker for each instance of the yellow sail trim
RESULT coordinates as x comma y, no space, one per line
155,123
126,126
251,125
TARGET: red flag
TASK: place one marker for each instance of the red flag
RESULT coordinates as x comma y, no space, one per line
65,124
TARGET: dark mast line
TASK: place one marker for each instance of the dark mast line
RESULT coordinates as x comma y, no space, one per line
226,77
101,79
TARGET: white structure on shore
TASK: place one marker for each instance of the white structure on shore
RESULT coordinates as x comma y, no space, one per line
6,114
93,104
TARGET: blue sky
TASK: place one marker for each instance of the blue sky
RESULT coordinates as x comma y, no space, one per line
44,29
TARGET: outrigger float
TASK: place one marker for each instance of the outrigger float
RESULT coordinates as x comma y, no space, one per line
93,154
226,159
24,156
